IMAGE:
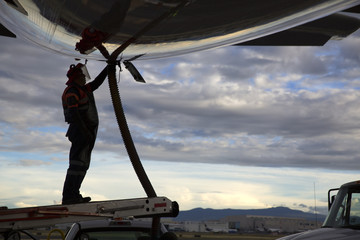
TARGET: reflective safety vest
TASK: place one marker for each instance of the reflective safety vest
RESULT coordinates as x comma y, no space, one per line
83,100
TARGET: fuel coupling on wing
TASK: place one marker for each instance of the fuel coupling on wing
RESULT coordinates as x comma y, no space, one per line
91,38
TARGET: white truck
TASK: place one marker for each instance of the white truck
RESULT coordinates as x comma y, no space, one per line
92,218
343,219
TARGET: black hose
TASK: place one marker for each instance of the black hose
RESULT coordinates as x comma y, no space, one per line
129,144
120,115
115,96
125,132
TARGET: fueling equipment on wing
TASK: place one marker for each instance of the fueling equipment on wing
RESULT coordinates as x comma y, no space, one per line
91,38
134,72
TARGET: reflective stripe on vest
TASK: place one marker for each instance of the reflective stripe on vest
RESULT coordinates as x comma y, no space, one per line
81,101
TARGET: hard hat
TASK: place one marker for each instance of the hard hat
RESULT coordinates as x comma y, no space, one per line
76,71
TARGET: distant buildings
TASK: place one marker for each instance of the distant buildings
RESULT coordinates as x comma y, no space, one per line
247,223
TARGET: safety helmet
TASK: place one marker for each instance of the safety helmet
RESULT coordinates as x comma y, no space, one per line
76,71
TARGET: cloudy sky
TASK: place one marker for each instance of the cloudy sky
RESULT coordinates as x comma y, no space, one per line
234,127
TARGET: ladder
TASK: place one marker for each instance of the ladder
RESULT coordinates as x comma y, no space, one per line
31,217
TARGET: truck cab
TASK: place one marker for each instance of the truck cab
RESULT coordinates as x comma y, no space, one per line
343,219
344,207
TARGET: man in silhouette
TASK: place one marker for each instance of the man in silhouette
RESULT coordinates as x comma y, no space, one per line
81,114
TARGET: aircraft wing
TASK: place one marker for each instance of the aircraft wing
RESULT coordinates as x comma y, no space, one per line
76,28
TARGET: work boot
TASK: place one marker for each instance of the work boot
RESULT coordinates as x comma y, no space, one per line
79,199
71,193
70,190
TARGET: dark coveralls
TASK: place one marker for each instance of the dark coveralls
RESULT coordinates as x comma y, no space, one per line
81,114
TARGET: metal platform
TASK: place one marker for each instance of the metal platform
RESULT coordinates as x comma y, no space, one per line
26,218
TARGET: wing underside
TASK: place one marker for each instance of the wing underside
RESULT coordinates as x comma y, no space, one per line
202,24
315,33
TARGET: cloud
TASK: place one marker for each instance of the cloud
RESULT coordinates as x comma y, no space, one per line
30,162
243,107
250,106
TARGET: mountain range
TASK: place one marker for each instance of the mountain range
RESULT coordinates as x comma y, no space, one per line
201,214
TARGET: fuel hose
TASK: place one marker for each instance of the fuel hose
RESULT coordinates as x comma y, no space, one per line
120,115
115,96
125,133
